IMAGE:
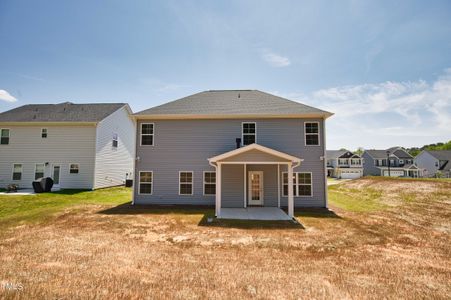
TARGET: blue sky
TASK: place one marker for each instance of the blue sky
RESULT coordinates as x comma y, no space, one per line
383,67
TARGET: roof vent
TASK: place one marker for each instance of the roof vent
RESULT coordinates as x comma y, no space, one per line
239,96
66,103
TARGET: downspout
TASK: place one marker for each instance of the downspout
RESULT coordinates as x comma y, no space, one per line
135,122
326,194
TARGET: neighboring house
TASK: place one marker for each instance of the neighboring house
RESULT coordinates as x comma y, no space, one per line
434,162
187,152
344,164
81,146
394,162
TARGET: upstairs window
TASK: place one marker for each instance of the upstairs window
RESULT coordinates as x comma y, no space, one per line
17,172
249,133
44,133
401,161
115,140
186,183
147,132
145,182
4,137
74,168
209,183
342,161
39,171
311,133
356,161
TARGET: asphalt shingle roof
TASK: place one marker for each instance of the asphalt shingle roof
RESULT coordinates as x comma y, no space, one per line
402,154
377,153
331,154
381,154
441,154
62,112
232,102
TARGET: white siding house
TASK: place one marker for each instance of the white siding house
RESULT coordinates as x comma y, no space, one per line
113,164
72,143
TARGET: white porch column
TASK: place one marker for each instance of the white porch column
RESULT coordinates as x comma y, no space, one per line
245,185
278,185
290,191
218,190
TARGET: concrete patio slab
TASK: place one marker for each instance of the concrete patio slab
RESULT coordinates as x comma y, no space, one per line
254,213
25,192
21,192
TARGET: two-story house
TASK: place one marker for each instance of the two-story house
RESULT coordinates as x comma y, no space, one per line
434,162
394,162
81,146
344,164
231,149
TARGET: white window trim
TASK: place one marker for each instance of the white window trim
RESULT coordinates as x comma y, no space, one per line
78,168
9,136
46,132
35,169
139,183
354,163
346,161
21,171
295,189
141,134
305,134
192,183
242,132
208,183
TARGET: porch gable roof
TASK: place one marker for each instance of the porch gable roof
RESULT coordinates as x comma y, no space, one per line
254,149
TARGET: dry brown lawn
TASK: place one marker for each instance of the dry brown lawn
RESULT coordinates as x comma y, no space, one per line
398,247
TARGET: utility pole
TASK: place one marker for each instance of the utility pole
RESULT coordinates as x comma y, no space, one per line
388,162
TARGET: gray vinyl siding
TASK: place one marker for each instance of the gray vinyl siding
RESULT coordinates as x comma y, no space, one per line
426,161
369,169
232,186
63,145
185,145
112,164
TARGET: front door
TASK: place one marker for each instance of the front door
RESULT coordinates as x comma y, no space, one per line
56,175
255,186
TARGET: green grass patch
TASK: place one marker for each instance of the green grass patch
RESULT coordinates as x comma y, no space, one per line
356,200
19,209
408,196
386,178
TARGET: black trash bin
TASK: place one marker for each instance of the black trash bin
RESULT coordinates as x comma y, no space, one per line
42,185
37,187
128,182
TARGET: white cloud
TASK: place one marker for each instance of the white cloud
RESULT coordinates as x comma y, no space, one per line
5,96
386,114
275,60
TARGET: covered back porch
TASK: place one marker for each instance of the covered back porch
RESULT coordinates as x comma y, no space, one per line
249,178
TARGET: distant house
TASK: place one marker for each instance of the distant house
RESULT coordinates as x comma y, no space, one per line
344,164
81,146
434,162
231,149
394,162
